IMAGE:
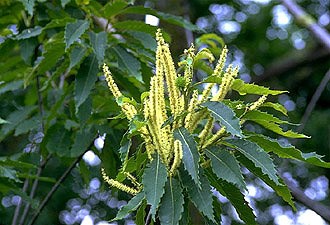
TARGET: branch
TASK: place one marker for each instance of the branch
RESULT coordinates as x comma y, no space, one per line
300,196
54,188
315,98
307,21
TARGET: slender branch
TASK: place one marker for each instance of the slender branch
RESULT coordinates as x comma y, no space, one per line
300,196
307,21
18,207
148,217
315,98
54,188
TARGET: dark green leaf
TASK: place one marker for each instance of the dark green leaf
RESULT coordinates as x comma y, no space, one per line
128,63
9,173
225,116
244,88
288,151
64,2
76,55
154,179
114,7
190,156
145,39
225,166
171,207
74,30
236,198
141,214
29,5
27,125
98,42
131,206
28,33
58,140
124,149
15,163
84,138
281,189
59,22
257,155
85,79
10,86
201,197
27,47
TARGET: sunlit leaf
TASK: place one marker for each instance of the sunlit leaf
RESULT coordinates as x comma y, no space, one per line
245,88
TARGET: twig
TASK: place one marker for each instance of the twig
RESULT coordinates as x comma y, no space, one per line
148,217
18,207
312,103
54,188
306,20
300,196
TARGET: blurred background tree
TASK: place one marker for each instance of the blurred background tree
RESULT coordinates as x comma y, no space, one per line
40,97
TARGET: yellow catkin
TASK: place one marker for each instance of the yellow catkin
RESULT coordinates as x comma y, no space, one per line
215,137
191,109
118,185
206,131
177,156
133,180
198,116
258,103
188,72
111,83
227,82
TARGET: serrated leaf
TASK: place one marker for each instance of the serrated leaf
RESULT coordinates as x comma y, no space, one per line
58,140
153,180
131,206
190,156
98,42
128,63
236,198
245,88
171,207
201,197
225,116
271,123
225,166
281,189
85,79
82,141
14,119
276,106
145,39
76,55
74,30
257,155
113,8
289,151
29,5
28,33
9,173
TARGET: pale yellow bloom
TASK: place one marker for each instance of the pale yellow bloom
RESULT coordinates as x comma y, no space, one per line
177,156
258,103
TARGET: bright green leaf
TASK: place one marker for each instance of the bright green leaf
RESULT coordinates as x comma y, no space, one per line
225,166
2,121
225,116
74,30
288,151
190,156
257,155
153,180
112,8
244,88
201,197
171,208
276,106
257,115
98,42
131,206
85,79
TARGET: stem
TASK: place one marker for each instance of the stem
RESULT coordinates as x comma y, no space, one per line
54,188
18,207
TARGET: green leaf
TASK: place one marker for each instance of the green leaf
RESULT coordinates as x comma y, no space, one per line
54,23
131,206
10,86
276,106
190,156
27,48
288,151
271,123
4,161
257,155
153,180
76,55
58,140
85,79
225,166
99,43
64,2
74,30
201,197
235,197
244,88
145,39
84,138
281,189
113,8
225,116
171,208
2,121
29,5
128,63
28,33
9,173
27,125
14,119
124,149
